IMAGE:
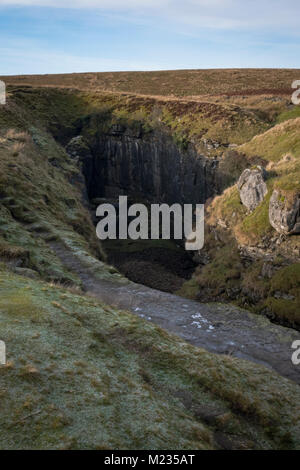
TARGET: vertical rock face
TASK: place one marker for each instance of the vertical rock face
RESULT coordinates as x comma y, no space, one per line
284,211
78,149
252,187
148,167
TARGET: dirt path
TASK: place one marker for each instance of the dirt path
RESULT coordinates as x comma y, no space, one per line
219,328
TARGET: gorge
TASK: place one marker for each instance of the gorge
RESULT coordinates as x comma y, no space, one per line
135,325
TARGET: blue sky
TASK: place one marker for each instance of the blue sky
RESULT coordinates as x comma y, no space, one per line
52,36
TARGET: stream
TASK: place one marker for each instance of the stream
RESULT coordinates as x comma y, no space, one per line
218,328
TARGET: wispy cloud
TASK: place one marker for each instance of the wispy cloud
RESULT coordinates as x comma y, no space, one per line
44,36
218,14
128,4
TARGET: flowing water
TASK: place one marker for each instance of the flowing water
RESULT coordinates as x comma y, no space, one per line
219,328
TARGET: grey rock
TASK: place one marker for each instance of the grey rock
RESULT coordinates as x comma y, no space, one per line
282,295
210,144
149,167
284,212
267,270
26,272
252,187
80,152
78,148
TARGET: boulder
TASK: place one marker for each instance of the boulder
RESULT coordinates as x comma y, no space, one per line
284,211
252,187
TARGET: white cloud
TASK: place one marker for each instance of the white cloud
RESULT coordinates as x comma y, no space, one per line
124,4
218,14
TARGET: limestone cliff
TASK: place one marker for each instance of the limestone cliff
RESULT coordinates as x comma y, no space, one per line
145,166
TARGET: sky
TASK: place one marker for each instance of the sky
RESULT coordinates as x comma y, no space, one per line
56,36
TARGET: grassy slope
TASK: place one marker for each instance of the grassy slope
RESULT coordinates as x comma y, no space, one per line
41,199
189,120
277,142
83,375
280,295
232,98
280,146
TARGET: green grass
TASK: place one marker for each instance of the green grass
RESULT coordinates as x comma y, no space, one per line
228,204
281,147
189,289
226,277
287,279
223,272
286,311
82,375
62,111
257,224
285,283
277,142
41,202
291,114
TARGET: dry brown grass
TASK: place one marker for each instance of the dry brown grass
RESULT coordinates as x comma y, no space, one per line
173,83
15,134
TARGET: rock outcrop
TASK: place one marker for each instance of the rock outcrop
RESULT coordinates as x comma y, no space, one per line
79,151
144,166
284,211
252,187
78,148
